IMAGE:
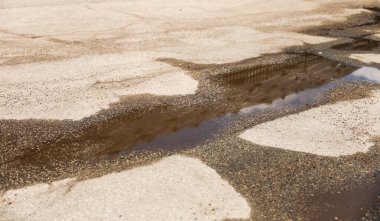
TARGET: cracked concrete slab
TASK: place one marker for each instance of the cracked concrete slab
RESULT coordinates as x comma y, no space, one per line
367,58
343,128
80,87
175,188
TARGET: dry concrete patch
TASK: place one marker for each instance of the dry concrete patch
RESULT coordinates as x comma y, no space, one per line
234,43
375,37
175,188
343,128
77,88
367,58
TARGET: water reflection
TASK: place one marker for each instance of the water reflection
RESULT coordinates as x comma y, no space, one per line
308,96
208,129
313,95
365,74
358,44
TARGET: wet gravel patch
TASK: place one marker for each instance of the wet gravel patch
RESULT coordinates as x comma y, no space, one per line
285,185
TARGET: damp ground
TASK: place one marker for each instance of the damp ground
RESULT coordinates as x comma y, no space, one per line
278,184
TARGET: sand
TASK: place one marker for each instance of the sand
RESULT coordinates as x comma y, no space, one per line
54,54
334,130
175,188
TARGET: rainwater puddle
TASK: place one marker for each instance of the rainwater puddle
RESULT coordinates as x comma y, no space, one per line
294,84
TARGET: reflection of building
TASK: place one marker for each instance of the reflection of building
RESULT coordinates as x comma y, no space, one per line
359,44
258,74
266,83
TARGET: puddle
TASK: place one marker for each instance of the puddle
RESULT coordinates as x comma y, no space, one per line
348,205
187,137
268,83
365,74
291,82
313,95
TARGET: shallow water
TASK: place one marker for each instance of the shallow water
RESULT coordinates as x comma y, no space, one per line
312,95
249,83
